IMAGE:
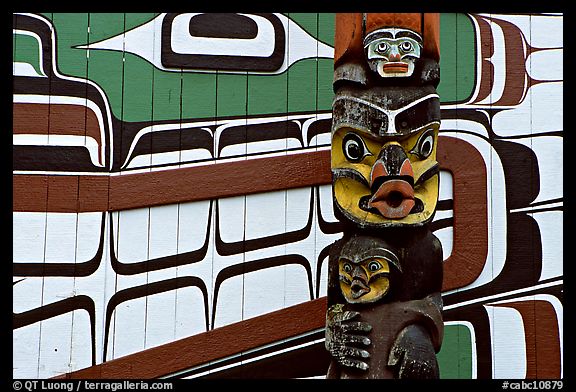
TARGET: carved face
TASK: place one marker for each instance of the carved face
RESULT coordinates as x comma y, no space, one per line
364,270
385,170
392,52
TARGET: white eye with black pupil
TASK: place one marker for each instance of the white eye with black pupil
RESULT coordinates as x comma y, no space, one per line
354,148
425,144
406,46
347,268
382,47
374,266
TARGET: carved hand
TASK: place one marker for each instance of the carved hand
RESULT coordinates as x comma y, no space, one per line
342,333
414,354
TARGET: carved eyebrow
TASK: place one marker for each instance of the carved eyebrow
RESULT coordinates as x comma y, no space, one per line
391,33
383,253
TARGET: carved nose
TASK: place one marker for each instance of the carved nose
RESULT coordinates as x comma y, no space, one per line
395,57
392,161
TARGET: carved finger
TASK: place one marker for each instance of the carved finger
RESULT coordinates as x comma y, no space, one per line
346,315
348,351
354,363
356,339
356,326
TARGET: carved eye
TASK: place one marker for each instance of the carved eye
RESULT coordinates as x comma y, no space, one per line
425,144
374,266
382,47
354,148
406,46
347,268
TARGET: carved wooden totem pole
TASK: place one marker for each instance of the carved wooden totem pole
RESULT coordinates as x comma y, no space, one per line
384,317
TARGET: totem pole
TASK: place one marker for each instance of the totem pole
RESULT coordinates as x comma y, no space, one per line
384,317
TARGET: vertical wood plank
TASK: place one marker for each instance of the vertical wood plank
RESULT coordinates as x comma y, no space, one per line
129,324
231,97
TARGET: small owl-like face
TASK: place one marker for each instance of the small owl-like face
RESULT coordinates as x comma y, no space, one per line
393,52
365,282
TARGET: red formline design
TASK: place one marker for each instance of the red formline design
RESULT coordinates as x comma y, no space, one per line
218,343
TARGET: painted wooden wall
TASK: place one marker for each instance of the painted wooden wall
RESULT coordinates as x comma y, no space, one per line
171,193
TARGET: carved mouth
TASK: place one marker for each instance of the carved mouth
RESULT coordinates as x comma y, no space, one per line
359,288
395,67
394,199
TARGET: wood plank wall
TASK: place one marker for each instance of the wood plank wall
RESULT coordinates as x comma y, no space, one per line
172,207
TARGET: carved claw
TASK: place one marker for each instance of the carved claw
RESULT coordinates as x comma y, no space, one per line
413,354
342,334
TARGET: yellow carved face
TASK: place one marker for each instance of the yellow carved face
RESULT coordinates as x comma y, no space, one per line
381,181
364,282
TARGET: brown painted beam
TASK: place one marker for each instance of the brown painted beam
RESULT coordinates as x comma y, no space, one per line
212,345
220,180
64,193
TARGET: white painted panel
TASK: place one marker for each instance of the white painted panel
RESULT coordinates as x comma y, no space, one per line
541,111
163,231
89,235
26,294
231,224
192,225
323,290
297,208
266,214
508,343
229,308
446,188
546,31
264,291
81,342
61,237
28,236
26,342
160,318
296,290
55,338
326,204
128,331
546,65
446,237
189,312
131,234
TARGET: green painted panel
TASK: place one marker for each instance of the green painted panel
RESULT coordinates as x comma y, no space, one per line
231,95
198,95
267,94
455,356
303,75
457,58
105,66
26,49
309,81
71,30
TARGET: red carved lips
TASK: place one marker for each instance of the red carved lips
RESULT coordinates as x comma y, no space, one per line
395,66
394,198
